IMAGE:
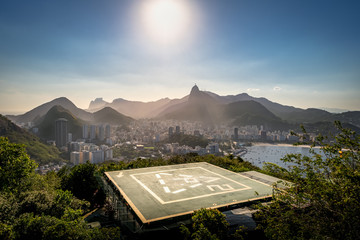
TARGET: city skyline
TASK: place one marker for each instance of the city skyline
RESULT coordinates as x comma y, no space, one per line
299,53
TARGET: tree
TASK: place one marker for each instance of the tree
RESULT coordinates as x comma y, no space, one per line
81,181
207,224
33,206
323,201
15,165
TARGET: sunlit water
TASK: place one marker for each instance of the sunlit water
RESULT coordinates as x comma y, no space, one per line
259,154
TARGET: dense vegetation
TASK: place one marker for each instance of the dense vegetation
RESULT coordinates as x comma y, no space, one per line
38,151
37,207
128,152
188,140
323,201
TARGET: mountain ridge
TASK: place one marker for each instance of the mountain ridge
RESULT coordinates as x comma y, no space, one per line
168,107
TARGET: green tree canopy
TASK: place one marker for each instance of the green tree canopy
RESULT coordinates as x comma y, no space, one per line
81,181
323,201
207,224
33,206
15,165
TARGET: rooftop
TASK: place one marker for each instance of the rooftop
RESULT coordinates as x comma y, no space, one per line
159,193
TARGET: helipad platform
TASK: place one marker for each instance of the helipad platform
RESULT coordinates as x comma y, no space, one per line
158,193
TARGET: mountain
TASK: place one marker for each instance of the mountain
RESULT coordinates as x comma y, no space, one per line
111,116
38,151
253,113
46,124
35,114
199,107
97,104
276,108
291,114
328,128
134,109
352,117
211,109
310,115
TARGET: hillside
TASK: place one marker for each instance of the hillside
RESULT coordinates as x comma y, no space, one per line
38,151
134,109
35,114
111,116
206,108
310,115
276,108
97,104
203,106
253,113
199,107
46,124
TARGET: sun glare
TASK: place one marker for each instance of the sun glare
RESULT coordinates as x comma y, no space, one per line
166,21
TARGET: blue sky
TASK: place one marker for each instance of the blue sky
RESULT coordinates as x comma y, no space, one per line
303,53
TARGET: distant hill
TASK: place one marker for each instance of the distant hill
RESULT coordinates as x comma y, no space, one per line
35,114
291,114
46,124
276,108
38,151
134,109
310,115
111,116
253,113
97,104
352,117
199,107
204,107
328,128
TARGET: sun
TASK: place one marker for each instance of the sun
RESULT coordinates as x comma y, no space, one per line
166,21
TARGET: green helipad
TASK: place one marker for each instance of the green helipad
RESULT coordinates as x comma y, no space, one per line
158,193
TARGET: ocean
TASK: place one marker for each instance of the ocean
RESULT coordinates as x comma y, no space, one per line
260,153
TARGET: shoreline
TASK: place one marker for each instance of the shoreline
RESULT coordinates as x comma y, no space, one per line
263,144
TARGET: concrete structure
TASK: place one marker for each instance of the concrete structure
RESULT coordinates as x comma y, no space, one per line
162,197
177,129
107,131
76,158
171,131
236,134
92,132
101,135
97,156
213,148
61,132
85,131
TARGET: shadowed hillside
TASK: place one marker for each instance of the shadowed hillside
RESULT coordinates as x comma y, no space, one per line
35,114
46,124
111,116
38,151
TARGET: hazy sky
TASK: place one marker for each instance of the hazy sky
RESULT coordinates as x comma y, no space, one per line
304,53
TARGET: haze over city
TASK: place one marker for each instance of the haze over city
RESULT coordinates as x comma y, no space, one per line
299,53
